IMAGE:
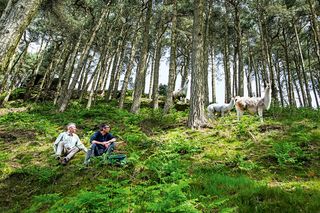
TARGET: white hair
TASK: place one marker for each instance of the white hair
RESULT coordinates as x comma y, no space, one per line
70,125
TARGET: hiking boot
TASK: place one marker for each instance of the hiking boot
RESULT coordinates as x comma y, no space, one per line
64,161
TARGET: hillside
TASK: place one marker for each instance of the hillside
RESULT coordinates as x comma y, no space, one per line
230,166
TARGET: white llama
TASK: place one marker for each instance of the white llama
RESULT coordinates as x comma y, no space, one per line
220,108
181,93
254,104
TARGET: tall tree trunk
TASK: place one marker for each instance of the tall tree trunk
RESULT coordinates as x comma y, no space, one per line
235,75
238,50
151,75
107,68
278,74
291,98
207,9
65,85
197,117
13,22
256,76
299,75
47,74
213,76
35,71
94,84
141,72
306,81
313,81
63,74
226,62
298,93
82,60
128,71
119,72
173,63
114,71
155,93
315,28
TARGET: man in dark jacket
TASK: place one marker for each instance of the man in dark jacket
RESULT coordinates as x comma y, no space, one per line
101,141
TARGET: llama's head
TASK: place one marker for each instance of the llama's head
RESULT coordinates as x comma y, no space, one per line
268,85
236,98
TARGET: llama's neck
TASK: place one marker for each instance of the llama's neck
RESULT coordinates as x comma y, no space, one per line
185,88
230,105
267,98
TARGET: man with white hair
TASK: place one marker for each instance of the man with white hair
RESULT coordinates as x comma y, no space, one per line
68,144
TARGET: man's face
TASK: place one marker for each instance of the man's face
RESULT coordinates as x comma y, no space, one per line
72,129
105,130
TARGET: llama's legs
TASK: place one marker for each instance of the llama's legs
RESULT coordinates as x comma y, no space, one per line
211,114
239,113
222,113
260,113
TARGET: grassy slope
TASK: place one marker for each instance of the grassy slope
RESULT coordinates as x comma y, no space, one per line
233,166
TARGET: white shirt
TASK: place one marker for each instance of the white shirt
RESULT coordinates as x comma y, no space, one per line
70,141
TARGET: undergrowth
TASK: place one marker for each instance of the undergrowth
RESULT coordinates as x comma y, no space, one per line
232,166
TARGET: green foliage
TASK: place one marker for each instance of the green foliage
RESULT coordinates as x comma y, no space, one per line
163,89
230,167
287,153
43,202
42,174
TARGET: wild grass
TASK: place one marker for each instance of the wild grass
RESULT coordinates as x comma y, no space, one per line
231,166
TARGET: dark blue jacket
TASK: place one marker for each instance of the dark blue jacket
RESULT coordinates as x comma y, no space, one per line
97,136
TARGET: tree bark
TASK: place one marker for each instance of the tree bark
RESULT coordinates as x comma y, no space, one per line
172,66
141,72
213,76
129,71
82,60
306,81
197,118
13,22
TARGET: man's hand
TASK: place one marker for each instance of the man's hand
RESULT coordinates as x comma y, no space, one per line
106,144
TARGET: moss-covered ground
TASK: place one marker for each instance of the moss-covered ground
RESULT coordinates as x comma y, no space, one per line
230,166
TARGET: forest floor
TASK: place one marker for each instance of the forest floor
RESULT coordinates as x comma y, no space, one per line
231,166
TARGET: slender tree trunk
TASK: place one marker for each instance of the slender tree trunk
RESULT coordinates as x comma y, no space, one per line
173,63
47,76
94,84
306,81
240,72
82,60
315,28
235,75
63,74
120,68
113,72
298,93
107,68
278,74
155,93
13,22
65,85
313,81
35,72
141,72
128,72
197,118
151,76
213,76
304,97
206,53
291,97
226,62
256,77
